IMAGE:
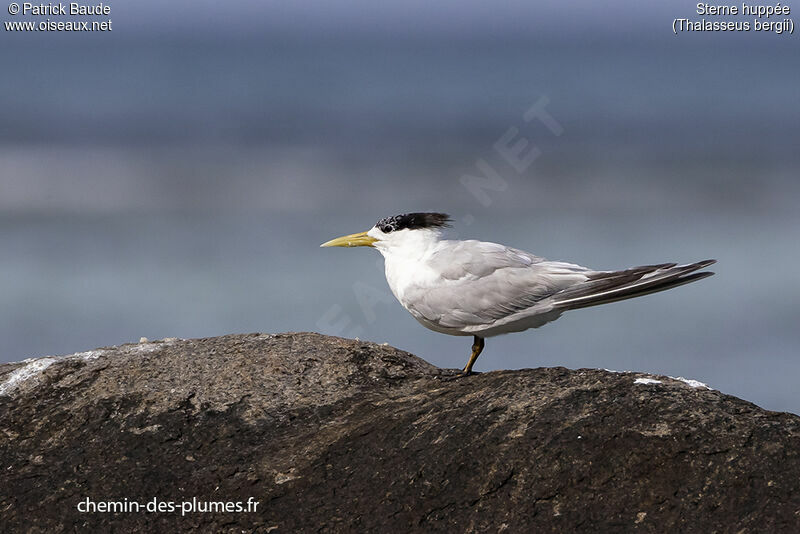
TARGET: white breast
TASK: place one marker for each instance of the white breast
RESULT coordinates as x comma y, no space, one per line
404,274
407,254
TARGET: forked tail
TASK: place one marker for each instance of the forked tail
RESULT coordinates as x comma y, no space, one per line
603,287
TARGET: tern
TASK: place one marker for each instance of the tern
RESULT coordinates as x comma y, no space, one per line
482,289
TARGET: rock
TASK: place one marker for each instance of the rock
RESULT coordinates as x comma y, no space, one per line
335,435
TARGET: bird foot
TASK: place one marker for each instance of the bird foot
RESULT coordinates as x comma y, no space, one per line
462,374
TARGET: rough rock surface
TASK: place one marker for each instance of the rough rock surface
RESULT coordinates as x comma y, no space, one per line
335,435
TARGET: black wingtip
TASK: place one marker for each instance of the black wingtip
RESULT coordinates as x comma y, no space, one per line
696,276
622,289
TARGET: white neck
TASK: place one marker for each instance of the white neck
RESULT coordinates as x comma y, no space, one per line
405,254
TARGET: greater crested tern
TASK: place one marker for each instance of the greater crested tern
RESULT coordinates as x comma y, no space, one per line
482,289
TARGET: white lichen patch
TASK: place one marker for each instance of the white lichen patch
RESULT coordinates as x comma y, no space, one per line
646,381
690,382
87,355
34,366
27,372
141,347
144,347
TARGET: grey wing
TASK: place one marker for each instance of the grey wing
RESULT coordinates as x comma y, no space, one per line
486,286
483,283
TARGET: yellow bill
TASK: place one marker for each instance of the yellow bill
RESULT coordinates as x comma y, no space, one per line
360,239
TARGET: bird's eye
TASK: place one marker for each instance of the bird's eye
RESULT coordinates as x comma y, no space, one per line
386,228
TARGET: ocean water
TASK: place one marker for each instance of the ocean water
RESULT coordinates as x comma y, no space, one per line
182,187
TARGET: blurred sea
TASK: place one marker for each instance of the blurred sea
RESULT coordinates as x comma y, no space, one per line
182,187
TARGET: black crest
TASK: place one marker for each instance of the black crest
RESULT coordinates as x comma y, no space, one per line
412,221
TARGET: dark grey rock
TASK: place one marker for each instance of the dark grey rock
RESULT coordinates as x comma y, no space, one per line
337,435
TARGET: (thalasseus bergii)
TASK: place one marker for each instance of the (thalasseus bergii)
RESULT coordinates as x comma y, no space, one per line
481,289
